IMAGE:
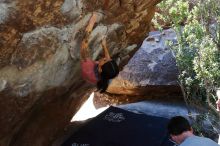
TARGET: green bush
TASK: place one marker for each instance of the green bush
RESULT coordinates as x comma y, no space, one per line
197,25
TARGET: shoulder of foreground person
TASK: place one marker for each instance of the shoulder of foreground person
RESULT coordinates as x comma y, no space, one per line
198,141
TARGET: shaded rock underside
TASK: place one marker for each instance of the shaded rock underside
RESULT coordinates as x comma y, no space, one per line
40,82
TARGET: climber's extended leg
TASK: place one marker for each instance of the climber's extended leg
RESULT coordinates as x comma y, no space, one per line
84,50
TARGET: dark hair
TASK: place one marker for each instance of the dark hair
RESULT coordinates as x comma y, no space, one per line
177,125
109,70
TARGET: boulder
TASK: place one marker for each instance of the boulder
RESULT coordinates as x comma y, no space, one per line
152,70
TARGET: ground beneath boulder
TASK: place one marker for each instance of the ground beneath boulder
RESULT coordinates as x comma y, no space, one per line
158,107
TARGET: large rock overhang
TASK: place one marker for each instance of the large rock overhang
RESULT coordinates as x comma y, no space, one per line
39,59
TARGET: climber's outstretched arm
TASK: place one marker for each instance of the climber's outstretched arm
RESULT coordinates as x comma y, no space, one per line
106,57
105,49
84,50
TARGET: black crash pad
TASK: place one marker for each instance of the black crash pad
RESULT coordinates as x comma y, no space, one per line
118,127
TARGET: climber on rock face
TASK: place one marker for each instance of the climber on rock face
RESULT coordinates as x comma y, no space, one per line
97,72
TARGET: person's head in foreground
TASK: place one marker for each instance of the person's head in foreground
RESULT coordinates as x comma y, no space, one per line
179,129
109,70
181,132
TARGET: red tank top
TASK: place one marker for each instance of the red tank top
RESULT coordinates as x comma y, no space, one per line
89,71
